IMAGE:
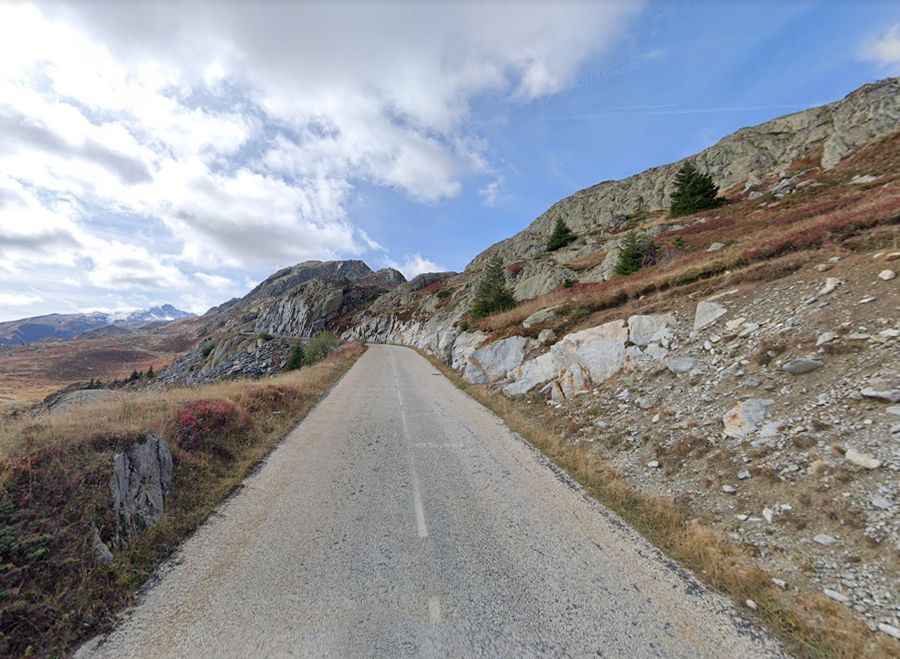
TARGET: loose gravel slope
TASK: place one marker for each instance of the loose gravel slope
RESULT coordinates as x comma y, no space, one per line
402,518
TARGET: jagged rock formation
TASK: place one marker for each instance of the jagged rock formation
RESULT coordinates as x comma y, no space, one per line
254,335
429,312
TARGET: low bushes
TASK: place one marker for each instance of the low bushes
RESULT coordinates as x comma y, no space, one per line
319,347
203,425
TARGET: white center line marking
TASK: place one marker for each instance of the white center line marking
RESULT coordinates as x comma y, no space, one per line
434,610
417,496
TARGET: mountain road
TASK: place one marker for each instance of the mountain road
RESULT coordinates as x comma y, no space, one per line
403,519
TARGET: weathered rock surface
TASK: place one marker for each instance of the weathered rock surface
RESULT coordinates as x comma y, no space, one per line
495,360
601,349
707,313
746,416
141,482
643,330
540,316
66,400
101,552
861,459
681,365
802,365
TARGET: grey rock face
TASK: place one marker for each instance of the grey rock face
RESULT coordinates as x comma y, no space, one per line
884,394
141,482
72,399
861,459
643,330
102,554
494,361
681,365
546,337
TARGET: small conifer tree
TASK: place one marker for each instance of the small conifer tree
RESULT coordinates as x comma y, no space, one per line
636,251
694,191
562,235
492,294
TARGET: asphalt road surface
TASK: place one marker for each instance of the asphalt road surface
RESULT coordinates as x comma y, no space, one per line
401,518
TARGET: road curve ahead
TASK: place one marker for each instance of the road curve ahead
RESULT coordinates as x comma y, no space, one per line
403,519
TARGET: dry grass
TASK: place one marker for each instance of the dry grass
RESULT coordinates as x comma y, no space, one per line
30,373
54,485
809,624
807,220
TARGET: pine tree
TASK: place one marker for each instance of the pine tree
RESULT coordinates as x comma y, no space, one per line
492,294
562,235
694,191
636,251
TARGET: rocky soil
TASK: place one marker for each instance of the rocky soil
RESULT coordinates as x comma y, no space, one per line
777,421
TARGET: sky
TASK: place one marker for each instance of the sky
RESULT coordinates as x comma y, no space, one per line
180,152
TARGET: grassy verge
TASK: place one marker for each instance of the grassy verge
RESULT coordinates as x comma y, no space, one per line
810,624
54,486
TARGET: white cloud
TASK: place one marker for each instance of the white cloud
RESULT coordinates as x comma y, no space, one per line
142,141
490,193
18,299
416,265
885,48
214,281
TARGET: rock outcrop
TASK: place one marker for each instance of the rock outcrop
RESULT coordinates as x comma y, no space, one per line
140,484
254,335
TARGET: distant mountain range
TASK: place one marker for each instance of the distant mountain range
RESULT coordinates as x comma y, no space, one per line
68,326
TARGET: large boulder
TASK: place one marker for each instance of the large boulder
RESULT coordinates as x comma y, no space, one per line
465,344
494,361
601,349
141,482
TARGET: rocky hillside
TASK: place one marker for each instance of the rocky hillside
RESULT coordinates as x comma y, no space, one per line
745,165
752,374
254,335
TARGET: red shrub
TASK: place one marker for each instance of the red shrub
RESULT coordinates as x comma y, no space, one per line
201,425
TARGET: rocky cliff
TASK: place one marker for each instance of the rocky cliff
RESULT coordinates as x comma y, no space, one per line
254,335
